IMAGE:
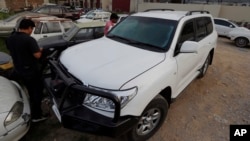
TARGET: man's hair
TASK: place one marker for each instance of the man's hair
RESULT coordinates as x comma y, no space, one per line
26,23
114,16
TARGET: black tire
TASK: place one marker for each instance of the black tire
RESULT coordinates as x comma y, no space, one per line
241,42
204,68
150,121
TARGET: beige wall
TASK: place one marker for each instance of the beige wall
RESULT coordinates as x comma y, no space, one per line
2,4
106,5
236,13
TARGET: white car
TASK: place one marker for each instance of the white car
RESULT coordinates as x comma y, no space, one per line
241,36
49,26
93,16
124,82
224,26
14,111
7,25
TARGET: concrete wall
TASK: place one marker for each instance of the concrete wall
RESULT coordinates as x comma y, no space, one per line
236,13
106,5
2,4
17,5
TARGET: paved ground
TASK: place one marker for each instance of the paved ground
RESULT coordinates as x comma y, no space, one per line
203,112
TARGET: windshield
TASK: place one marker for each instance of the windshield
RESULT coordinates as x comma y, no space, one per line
144,32
70,33
90,16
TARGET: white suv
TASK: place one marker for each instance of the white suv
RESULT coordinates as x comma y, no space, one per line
124,82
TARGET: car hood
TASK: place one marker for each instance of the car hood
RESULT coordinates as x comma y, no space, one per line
84,20
8,95
108,64
240,31
50,42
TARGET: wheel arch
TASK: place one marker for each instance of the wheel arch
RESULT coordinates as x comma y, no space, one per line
211,56
241,37
166,94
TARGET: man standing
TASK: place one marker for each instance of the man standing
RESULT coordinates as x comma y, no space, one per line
26,54
113,19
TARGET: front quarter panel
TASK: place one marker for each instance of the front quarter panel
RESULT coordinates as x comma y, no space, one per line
150,84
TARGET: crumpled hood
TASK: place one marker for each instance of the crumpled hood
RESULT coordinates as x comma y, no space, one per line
108,64
8,95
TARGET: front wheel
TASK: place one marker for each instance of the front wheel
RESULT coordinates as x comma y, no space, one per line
241,42
150,121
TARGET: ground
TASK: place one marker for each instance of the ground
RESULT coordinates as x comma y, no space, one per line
203,112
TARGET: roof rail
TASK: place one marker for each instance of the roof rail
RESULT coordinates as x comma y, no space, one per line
197,11
158,10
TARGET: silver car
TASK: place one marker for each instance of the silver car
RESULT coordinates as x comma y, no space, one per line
14,111
7,25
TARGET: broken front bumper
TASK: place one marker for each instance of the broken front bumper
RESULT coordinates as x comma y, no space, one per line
67,94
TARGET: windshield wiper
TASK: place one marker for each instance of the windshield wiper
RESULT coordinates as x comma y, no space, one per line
118,37
132,42
136,43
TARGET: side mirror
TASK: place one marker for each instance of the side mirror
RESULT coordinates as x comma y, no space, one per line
189,47
231,26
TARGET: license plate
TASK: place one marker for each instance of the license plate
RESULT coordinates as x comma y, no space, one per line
57,113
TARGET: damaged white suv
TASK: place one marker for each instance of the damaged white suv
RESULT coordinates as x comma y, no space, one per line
124,82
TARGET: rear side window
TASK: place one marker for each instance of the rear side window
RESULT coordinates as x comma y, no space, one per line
222,22
51,27
204,27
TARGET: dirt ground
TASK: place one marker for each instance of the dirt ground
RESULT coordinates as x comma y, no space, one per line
203,112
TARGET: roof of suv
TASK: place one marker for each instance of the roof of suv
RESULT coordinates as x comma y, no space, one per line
168,14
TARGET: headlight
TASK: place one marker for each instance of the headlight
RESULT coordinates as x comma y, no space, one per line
105,104
15,112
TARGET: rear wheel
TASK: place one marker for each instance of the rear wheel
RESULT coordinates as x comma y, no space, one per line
150,121
204,68
241,42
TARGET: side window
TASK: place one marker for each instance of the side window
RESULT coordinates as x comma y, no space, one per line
209,25
55,10
204,27
51,27
44,10
99,32
187,34
67,25
38,28
201,29
223,23
86,33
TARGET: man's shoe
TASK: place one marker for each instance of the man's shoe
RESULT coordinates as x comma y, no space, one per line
39,119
